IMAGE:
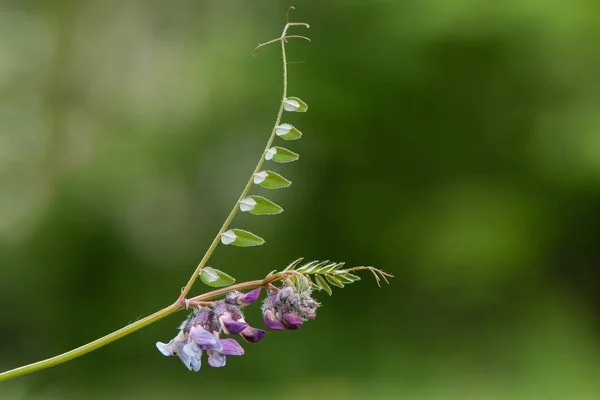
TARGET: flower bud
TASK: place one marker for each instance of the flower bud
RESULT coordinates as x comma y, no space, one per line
288,308
270,317
243,299
231,326
253,335
292,321
271,320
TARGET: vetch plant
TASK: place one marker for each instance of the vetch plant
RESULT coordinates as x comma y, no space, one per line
289,300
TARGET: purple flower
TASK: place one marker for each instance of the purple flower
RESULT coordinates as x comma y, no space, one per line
292,321
243,299
253,335
271,320
249,298
232,322
169,349
216,358
231,326
200,332
188,346
270,313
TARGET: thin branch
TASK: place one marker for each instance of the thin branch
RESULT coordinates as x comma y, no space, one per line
277,40
264,44
223,291
295,36
86,348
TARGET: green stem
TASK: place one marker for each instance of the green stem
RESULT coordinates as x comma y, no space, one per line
236,207
238,286
86,348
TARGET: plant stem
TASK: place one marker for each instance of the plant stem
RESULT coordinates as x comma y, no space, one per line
234,211
111,337
86,348
238,286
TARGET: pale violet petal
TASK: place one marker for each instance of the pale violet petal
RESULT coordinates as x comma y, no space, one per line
228,237
232,347
184,356
205,339
191,349
247,204
216,359
196,363
165,348
270,153
181,337
190,355
260,177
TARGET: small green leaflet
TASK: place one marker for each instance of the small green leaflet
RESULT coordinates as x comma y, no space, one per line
281,155
312,266
215,278
294,104
259,205
346,277
294,264
334,281
271,180
288,132
241,238
323,284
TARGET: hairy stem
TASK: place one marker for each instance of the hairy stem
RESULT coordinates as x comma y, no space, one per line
239,286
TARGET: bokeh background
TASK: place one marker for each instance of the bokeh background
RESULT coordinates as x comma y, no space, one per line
453,143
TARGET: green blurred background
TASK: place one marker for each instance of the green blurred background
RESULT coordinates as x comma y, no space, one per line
453,143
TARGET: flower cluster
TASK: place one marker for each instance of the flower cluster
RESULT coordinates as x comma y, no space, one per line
202,329
288,308
283,308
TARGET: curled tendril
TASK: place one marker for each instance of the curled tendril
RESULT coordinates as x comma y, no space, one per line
377,273
283,36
